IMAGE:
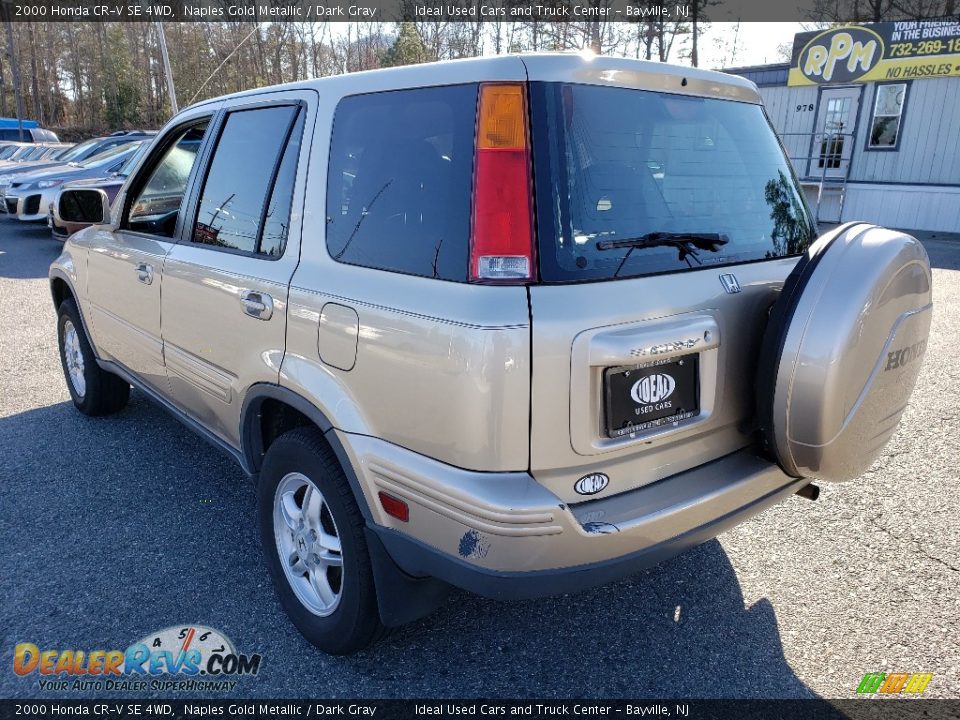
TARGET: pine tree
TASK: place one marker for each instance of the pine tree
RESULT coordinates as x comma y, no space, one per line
407,49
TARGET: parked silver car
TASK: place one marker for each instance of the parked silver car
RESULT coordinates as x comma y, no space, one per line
29,195
520,325
77,154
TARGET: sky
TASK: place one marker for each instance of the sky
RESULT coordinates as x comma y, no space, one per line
756,43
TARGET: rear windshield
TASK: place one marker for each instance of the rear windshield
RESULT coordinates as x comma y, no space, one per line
615,165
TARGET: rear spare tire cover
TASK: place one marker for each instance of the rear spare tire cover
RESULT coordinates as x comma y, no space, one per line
842,351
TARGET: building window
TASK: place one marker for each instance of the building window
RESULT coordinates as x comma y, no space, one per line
887,112
831,144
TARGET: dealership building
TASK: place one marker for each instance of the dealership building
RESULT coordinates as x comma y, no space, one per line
870,117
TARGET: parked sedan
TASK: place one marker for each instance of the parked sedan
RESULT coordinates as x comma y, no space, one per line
29,196
15,152
35,154
78,153
111,184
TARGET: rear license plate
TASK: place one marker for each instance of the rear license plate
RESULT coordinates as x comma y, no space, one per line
642,397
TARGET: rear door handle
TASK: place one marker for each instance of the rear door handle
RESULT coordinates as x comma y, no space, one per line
257,304
145,273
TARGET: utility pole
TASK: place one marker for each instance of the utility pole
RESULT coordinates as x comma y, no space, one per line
14,66
166,68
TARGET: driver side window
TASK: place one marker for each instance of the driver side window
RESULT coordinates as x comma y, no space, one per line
157,204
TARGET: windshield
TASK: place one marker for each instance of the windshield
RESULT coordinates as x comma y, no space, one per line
623,164
7,151
131,161
104,157
79,150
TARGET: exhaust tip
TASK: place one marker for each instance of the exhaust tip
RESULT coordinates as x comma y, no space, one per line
809,491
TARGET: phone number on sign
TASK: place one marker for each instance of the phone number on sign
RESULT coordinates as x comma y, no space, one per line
926,47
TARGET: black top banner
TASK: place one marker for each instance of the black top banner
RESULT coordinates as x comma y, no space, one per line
400,10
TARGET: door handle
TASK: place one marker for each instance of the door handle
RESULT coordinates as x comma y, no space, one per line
257,304
145,273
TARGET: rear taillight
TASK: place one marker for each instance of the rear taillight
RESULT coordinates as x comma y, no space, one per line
501,246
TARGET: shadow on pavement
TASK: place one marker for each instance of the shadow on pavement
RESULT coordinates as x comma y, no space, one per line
116,527
26,249
942,247
944,250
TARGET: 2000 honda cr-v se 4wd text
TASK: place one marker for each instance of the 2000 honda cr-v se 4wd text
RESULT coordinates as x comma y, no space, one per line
519,325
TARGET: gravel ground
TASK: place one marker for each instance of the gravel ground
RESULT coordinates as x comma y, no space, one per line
112,528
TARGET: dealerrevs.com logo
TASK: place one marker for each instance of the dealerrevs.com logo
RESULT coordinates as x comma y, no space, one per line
189,658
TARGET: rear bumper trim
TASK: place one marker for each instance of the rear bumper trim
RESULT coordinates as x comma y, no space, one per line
421,560
506,535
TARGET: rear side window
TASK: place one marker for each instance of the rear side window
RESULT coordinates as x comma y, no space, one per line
400,179
615,165
241,176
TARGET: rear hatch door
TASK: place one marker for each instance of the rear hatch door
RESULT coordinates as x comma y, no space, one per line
667,223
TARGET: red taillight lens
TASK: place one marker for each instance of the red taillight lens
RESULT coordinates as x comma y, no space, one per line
395,507
501,246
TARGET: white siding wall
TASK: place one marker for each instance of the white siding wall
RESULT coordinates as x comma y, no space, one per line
924,170
781,104
914,207
929,150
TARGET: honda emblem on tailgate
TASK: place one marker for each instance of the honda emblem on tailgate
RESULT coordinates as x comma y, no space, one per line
730,283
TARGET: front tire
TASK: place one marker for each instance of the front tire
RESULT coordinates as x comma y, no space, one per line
94,391
313,541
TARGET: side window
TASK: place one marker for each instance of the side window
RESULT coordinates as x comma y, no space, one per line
887,111
156,206
276,224
248,161
400,179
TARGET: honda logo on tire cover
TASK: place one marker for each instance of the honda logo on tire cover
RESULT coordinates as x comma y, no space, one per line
652,388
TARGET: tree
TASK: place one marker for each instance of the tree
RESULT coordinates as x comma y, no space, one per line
791,232
880,10
407,49
123,98
699,22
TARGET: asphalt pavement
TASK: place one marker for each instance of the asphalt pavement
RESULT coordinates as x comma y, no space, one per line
112,528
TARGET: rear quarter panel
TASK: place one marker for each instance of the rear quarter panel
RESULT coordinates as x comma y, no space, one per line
441,368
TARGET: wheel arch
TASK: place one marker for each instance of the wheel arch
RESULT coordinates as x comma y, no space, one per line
401,598
269,411
61,289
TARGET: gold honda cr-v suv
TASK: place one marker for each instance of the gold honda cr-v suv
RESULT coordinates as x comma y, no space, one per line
519,325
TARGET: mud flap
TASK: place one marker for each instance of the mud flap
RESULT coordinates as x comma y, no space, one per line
842,351
401,598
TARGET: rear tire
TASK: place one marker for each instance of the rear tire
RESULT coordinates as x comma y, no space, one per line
94,391
314,545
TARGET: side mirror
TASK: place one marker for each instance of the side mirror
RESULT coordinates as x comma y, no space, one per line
91,206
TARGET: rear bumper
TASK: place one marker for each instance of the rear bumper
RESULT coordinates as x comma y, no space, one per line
502,535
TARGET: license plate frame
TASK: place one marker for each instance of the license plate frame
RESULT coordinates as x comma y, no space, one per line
670,396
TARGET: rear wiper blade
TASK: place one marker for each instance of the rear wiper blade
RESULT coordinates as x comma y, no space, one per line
686,244
702,241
